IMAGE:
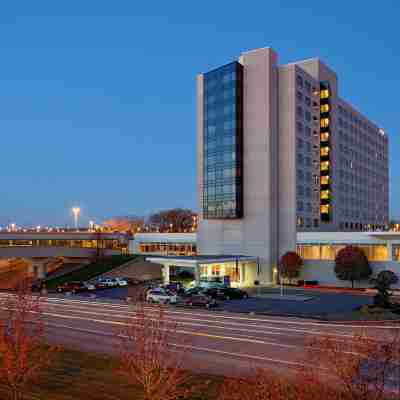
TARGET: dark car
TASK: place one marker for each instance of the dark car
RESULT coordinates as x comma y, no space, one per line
192,291
200,300
231,293
73,287
37,286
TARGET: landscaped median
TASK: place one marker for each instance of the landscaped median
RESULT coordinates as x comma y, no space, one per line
90,271
78,375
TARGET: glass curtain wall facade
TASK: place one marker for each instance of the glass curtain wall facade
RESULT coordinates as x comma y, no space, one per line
223,143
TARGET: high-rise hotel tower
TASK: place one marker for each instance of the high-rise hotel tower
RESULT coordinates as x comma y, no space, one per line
280,151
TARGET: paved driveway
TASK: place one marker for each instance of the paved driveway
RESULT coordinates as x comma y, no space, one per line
319,303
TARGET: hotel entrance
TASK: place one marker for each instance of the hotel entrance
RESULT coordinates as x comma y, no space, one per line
234,271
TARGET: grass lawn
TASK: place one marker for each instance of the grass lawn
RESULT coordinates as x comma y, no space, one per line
76,375
357,315
92,270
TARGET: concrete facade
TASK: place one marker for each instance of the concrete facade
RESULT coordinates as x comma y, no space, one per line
305,168
250,235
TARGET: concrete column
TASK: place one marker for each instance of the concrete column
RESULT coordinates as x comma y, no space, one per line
197,274
389,245
41,271
165,273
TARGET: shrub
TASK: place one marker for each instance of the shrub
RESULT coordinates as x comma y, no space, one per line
351,264
290,264
382,284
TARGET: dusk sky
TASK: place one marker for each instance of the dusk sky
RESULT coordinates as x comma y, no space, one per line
97,98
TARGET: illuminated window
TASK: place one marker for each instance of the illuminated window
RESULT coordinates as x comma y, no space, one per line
324,122
325,180
324,136
324,165
324,151
324,94
324,209
324,108
325,194
309,252
215,270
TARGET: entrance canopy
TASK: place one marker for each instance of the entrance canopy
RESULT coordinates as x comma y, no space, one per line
241,270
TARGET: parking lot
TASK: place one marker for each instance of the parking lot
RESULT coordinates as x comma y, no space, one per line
318,303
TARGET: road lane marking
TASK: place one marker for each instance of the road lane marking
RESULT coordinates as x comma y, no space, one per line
262,329
224,316
180,331
196,348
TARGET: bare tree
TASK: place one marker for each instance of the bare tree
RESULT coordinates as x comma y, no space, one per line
149,360
261,384
174,220
23,353
359,367
124,224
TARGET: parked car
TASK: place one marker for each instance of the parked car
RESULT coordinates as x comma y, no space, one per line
90,286
200,300
231,293
121,282
192,291
73,287
107,283
37,285
160,296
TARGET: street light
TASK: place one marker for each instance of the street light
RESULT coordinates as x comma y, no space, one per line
76,211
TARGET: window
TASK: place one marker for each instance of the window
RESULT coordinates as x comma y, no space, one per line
307,100
324,209
300,206
325,180
299,80
307,85
215,270
300,222
300,143
324,151
325,194
324,137
300,112
299,126
324,122
324,94
324,108
325,166
300,159
299,96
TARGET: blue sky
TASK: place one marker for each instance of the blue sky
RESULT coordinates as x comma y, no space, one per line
97,98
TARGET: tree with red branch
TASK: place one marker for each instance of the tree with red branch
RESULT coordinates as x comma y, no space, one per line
290,264
358,367
351,264
261,384
23,353
149,359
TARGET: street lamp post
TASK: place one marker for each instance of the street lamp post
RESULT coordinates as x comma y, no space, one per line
76,211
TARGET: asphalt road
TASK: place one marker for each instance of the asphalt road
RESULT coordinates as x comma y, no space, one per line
217,342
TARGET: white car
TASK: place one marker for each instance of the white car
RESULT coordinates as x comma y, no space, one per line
109,282
89,286
160,296
121,282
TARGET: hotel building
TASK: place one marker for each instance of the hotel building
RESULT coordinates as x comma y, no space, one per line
279,151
